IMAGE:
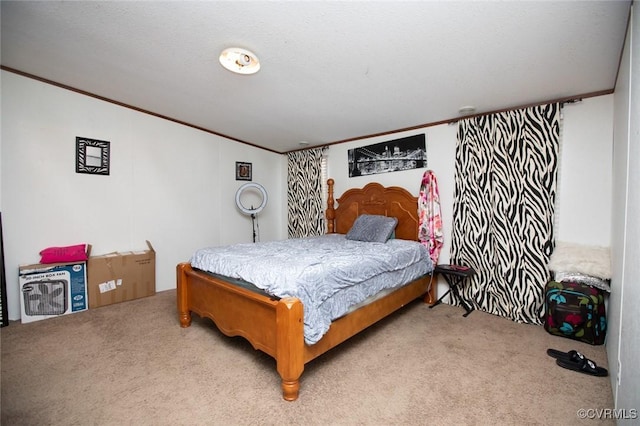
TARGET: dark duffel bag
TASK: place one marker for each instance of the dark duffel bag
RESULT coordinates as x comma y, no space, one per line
575,311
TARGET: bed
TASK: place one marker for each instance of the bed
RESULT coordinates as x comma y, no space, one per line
275,325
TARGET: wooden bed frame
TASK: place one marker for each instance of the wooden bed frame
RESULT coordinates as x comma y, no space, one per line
276,326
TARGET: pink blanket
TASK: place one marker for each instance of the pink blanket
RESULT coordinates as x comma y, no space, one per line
430,227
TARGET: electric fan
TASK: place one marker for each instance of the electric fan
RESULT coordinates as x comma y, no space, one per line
47,297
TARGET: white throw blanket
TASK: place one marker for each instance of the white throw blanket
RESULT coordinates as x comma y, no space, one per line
594,261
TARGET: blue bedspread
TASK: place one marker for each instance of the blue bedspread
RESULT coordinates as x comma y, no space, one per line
329,274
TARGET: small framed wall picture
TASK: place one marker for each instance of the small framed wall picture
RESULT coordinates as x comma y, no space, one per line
92,156
243,171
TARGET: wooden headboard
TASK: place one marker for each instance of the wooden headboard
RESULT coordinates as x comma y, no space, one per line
374,198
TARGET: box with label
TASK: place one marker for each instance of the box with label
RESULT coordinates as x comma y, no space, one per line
51,290
121,276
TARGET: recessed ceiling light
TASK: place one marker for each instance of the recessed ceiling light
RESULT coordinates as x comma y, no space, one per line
466,110
239,60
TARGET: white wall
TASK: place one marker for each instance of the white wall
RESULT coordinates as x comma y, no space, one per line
583,208
170,184
175,186
584,186
623,338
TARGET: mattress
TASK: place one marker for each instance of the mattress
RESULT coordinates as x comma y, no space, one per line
328,273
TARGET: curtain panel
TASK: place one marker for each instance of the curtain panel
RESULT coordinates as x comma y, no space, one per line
504,200
304,193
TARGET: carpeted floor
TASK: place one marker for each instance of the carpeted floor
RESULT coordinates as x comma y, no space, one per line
132,364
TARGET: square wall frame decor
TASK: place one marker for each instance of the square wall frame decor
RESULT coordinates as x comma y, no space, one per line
243,171
92,156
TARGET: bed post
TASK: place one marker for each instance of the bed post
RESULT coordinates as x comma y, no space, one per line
331,211
289,345
183,297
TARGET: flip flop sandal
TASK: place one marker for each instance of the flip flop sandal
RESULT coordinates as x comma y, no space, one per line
586,366
572,356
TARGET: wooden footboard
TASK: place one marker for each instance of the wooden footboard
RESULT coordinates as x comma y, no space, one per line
276,326
272,326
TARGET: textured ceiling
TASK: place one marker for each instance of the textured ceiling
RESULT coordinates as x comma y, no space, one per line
331,71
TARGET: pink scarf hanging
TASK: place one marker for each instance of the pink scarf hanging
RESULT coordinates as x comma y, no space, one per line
430,226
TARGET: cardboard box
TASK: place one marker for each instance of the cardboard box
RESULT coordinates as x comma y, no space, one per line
51,290
121,276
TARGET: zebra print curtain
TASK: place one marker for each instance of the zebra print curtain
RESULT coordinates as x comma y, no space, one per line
505,188
304,193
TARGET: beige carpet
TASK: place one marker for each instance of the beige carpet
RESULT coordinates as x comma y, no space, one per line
132,364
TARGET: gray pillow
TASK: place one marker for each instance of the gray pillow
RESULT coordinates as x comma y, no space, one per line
372,228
